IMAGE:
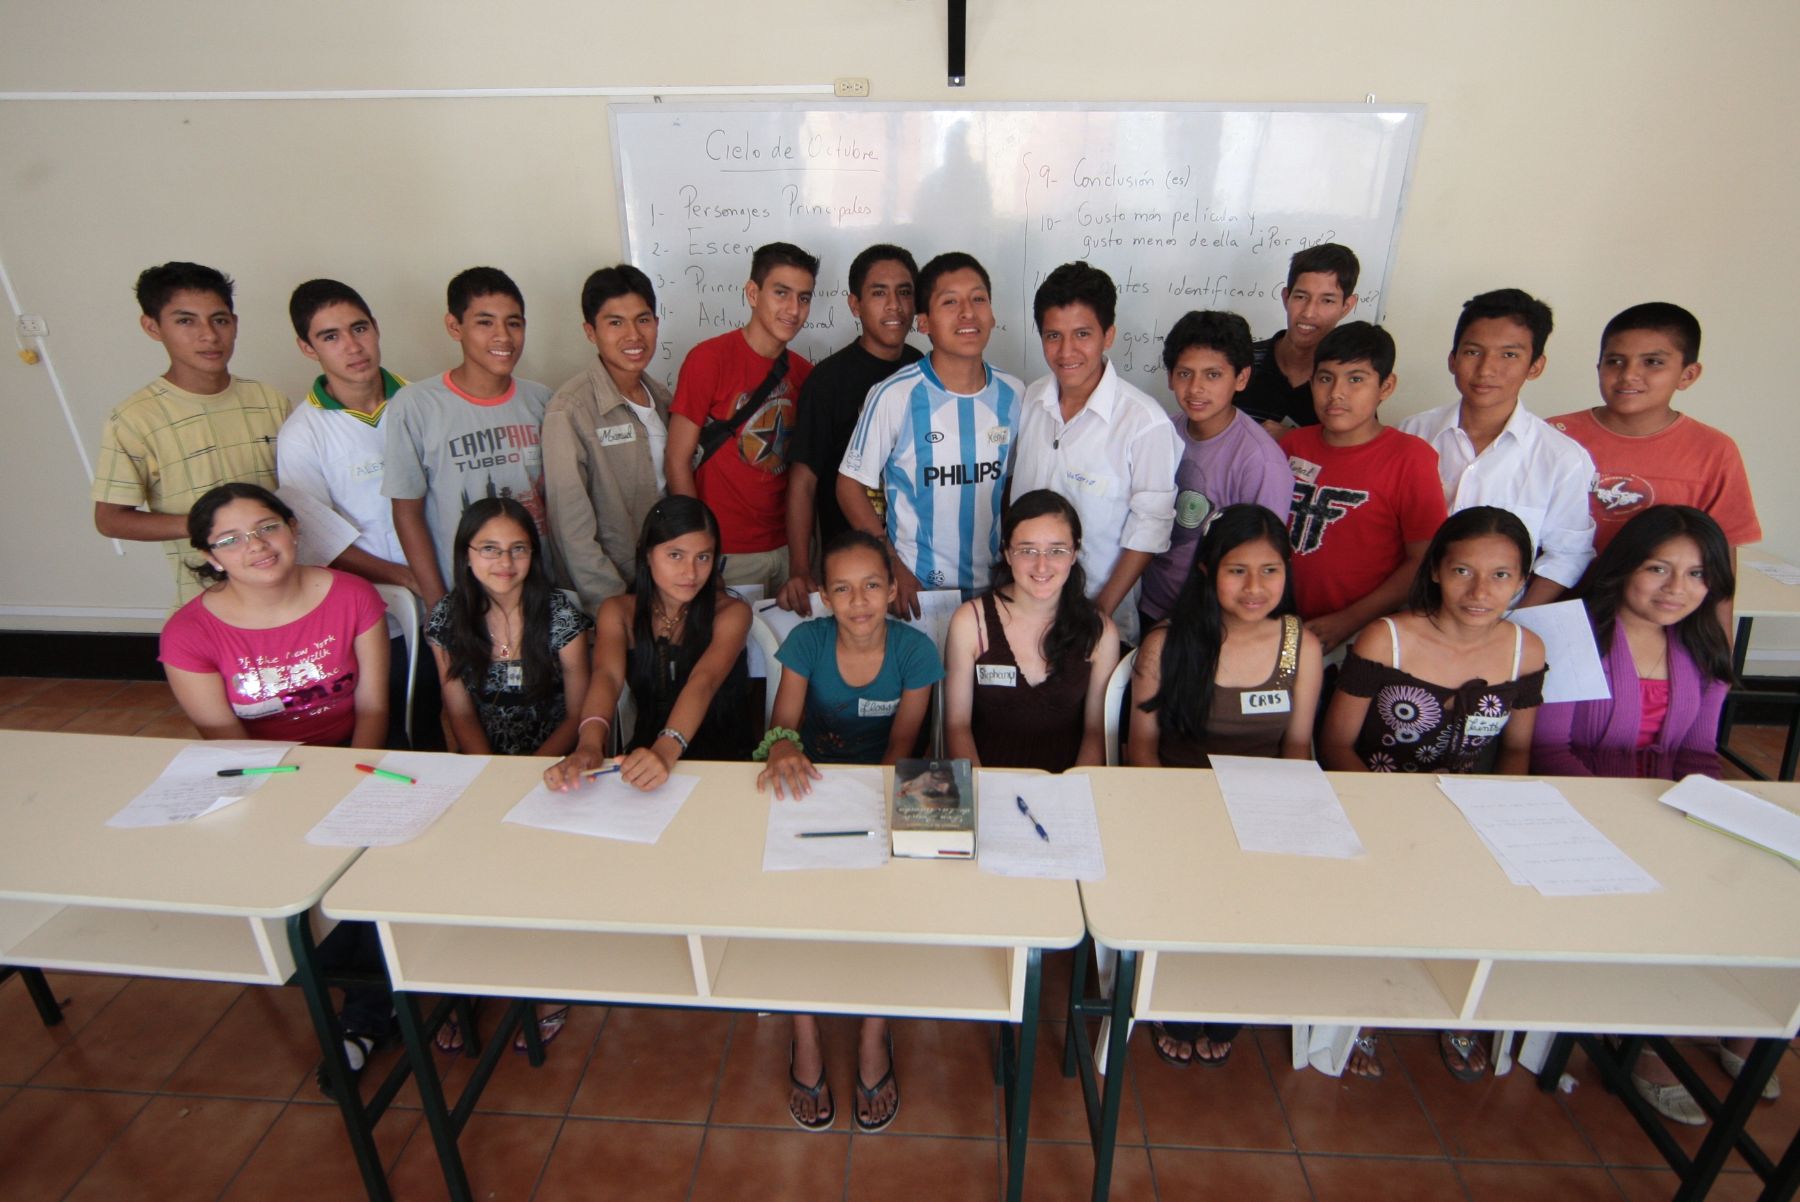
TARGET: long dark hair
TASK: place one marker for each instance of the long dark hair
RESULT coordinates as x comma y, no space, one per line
470,646
669,519
1700,633
1076,627
1196,633
1426,596
200,520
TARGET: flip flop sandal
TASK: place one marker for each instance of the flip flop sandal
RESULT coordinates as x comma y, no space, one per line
1455,1050
1213,1061
549,1027
819,1092
449,1038
866,1095
1157,1035
1371,1051
357,1051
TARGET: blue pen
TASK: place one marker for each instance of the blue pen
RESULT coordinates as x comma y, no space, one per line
593,773
1032,818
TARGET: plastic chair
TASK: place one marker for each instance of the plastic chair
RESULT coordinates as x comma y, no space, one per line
768,642
407,610
1116,689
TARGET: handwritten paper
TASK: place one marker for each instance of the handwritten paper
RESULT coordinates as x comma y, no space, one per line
1544,838
1785,573
605,808
323,533
1735,812
1285,806
1575,673
382,813
1006,842
191,786
845,799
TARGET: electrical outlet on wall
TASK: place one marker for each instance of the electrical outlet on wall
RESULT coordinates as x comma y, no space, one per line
854,86
33,327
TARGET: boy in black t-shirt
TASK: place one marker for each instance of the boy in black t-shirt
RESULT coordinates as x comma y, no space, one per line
882,279
1320,292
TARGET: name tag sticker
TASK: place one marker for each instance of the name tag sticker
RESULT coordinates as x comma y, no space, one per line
1484,726
515,676
999,436
1266,701
612,436
868,707
368,469
258,709
1003,676
1304,469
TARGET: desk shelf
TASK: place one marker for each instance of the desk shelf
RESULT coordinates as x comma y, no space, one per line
897,979
508,962
1318,989
1539,995
201,947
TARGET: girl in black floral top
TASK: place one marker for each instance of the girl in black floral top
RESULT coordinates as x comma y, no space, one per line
1449,686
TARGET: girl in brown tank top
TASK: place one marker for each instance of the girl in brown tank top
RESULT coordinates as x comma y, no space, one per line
1029,660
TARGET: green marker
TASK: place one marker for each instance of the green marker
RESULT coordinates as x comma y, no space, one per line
259,771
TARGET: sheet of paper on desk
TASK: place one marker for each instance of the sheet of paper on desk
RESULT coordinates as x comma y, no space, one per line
382,813
1006,842
606,808
844,799
1575,673
1546,839
1285,806
1786,573
1738,813
191,785
324,534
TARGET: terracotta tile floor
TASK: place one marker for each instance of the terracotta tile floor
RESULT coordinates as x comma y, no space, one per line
167,1091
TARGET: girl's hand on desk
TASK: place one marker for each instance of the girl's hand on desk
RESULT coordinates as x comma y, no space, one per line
645,768
789,769
565,774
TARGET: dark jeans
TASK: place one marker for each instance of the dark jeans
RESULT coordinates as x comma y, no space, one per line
355,947
1214,1032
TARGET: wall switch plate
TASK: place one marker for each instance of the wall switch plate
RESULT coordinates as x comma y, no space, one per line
33,327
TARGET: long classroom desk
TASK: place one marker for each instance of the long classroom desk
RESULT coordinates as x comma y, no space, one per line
227,897
478,906
1425,931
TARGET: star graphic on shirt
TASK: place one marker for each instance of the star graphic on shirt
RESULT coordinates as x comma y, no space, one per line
763,443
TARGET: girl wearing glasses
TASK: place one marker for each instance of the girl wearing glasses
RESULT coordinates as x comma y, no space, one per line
1028,661
511,648
274,649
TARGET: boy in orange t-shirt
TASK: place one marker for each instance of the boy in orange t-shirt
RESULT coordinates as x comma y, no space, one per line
1644,452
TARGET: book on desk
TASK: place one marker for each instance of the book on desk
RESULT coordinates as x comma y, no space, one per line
931,814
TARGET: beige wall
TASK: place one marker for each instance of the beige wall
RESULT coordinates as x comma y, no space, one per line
1595,153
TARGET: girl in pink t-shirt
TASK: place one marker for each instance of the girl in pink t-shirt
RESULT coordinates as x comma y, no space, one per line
274,649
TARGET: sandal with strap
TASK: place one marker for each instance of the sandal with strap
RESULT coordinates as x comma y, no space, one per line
1159,1034
819,1093
549,1027
866,1095
357,1051
1455,1049
1371,1053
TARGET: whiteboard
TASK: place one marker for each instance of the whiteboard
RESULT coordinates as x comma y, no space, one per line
1185,206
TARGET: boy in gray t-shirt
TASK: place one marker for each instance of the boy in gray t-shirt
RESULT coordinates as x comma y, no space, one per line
471,433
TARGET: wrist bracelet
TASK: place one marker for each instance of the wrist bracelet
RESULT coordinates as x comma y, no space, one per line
669,732
777,734
582,725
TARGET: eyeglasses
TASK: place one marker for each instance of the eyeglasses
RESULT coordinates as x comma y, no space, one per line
493,551
263,533
1058,554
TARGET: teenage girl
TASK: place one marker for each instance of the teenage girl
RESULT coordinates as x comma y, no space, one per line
1028,661
1233,671
1448,686
857,684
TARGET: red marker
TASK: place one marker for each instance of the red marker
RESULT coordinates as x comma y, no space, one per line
384,774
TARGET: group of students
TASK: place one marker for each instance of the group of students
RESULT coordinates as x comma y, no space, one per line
1271,521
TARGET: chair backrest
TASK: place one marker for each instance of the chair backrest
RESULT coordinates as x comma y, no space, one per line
407,611
1116,690
768,642
624,721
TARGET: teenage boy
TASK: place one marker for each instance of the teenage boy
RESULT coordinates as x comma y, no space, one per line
1366,497
1105,445
1645,453
604,435
1227,458
1320,292
936,438
1492,451
191,429
742,384
472,432
881,299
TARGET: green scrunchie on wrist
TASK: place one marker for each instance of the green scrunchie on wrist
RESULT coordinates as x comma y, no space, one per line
776,734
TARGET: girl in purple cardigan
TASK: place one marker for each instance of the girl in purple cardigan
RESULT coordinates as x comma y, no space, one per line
1654,598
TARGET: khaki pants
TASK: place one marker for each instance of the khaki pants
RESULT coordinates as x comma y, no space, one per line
767,568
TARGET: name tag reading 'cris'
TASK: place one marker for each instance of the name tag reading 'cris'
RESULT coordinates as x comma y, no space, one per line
1266,701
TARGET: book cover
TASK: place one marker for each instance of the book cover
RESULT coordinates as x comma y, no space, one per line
932,812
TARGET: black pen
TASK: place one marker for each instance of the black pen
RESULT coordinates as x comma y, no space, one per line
833,834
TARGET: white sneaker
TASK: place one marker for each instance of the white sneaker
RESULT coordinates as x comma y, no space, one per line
1733,1064
1672,1101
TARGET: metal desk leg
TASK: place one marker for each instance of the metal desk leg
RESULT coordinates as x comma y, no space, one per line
1786,1177
431,1095
1733,1114
1124,983
39,991
1018,1080
358,1123
1556,1062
